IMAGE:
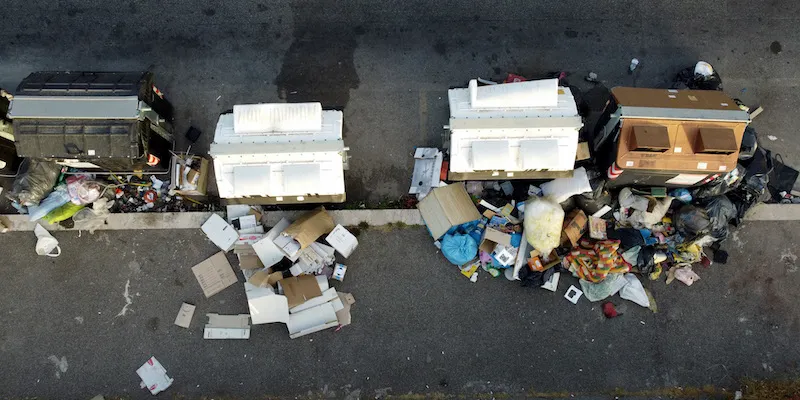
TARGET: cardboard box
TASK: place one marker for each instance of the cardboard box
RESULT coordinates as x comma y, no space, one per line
343,315
264,278
574,227
154,376
314,319
220,232
214,274
196,176
249,261
304,231
445,207
265,306
342,240
491,238
580,155
266,250
299,289
227,326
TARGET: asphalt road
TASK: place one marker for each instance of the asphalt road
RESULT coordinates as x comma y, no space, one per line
418,327
388,65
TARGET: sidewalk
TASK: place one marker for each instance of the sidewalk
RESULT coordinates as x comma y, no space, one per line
418,326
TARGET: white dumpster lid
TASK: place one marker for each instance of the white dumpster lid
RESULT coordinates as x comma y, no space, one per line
498,101
329,129
277,117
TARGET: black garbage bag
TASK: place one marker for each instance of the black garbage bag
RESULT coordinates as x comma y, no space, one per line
645,262
781,178
535,278
628,238
753,188
35,181
691,221
720,211
687,79
721,185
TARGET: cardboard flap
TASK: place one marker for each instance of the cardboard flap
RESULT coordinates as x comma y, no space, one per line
264,278
716,141
493,237
310,226
447,206
299,289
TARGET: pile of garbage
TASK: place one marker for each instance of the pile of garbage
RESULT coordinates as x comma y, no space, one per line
53,193
607,239
287,271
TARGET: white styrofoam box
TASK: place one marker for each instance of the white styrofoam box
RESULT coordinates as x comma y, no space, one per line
539,93
490,155
277,117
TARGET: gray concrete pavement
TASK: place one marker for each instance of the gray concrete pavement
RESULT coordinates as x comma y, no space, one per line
418,325
388,64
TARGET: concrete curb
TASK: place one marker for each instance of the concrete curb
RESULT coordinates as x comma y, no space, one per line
411,217
193,220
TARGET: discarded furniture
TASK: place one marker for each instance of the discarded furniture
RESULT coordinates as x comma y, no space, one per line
280,153
520,130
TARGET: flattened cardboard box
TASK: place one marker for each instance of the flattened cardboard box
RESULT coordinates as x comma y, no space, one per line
445,207
214,274
310,226
298,289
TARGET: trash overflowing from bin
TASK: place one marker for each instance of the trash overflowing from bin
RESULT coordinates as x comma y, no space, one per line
670,173
288,272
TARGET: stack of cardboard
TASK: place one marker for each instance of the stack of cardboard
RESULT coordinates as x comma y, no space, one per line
286,269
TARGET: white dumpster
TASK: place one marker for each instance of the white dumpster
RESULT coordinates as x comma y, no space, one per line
280,153
521,130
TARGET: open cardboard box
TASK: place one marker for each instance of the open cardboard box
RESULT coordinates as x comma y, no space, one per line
445,207
197,175
307,229
575,225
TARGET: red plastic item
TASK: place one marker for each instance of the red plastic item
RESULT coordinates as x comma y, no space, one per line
443,171
514,78
609,310
150,196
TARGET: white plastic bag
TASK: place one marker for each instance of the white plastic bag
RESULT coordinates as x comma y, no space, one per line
46,243
562,189
543,222
92,218
634,291
605,288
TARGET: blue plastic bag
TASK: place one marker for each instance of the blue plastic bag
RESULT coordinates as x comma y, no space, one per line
459,249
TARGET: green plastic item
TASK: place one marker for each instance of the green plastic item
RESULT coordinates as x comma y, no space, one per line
61,213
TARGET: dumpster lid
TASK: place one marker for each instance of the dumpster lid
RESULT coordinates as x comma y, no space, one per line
88,107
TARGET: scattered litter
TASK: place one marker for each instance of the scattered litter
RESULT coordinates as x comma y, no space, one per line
338,272
634,64
214,274
184,318
220,232
772,138
227,327
46,244
609,310
342,240
573,294
154,376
